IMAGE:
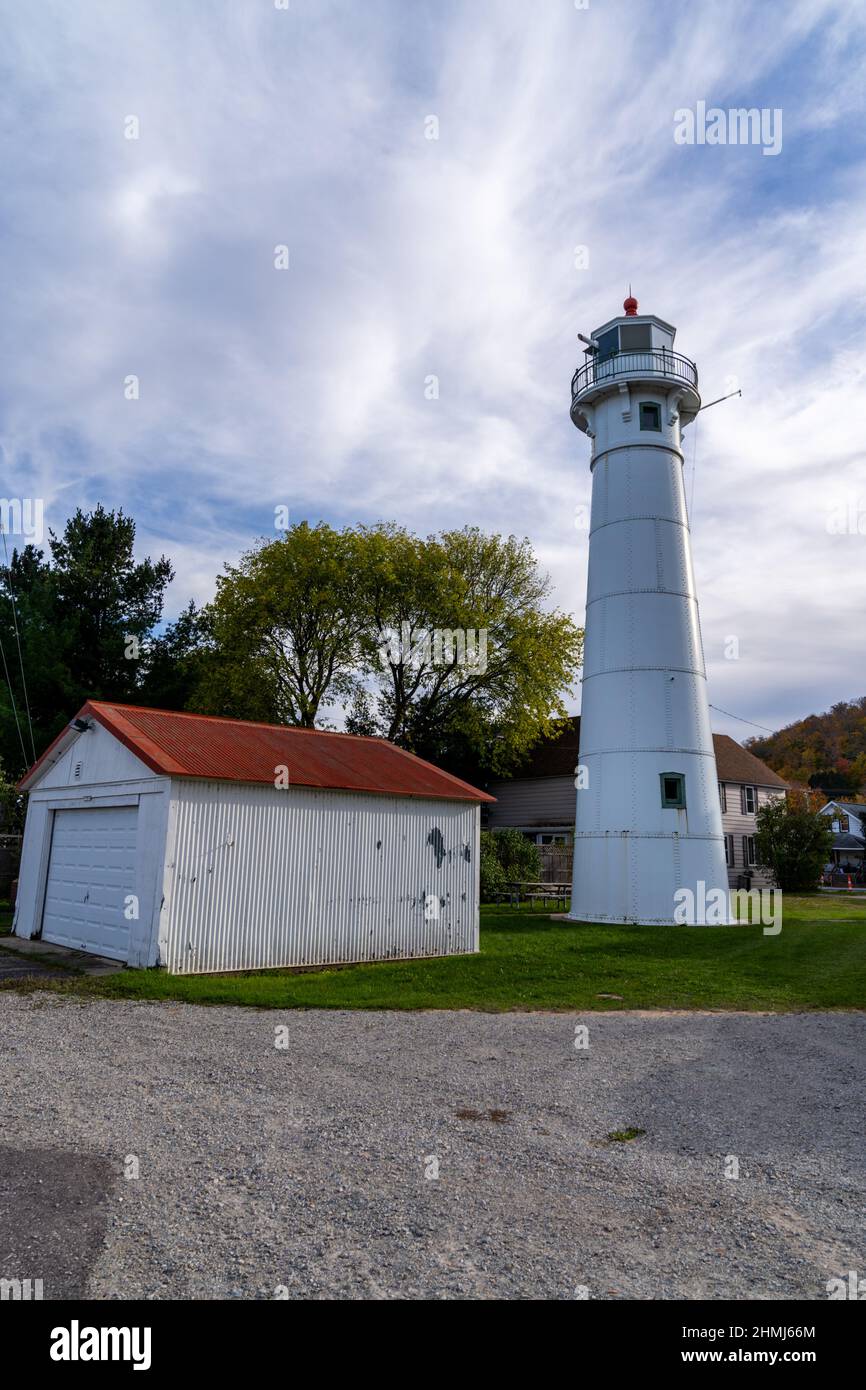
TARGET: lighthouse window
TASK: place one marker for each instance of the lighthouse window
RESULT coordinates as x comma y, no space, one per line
650,416
608,344
673,789
635,337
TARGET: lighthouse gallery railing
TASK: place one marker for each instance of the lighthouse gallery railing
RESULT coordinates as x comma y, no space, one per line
649,362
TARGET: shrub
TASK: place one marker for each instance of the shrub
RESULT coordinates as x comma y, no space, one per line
506,855
492,873
792,841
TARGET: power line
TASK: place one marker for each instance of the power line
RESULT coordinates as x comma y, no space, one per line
727,712
18,641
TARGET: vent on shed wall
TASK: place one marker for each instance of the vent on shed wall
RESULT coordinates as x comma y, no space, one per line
76,771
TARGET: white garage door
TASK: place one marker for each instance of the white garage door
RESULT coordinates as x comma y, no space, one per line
90,873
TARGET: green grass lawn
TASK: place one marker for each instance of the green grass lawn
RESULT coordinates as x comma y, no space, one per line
529,962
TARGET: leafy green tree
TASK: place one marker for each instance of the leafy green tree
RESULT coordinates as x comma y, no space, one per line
175,662
13,806
46,685
443,644
106,603
792,840
463,664
83,617
285,627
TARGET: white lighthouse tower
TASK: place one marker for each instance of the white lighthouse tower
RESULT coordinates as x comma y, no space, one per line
648,819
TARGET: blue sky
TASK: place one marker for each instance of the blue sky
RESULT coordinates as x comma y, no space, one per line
454,257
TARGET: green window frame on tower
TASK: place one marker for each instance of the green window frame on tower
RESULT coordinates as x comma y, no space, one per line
673,785
650,416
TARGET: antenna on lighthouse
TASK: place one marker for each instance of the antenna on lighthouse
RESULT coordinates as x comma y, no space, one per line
719,399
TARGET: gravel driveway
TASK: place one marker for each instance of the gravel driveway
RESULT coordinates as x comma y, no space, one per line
304,1167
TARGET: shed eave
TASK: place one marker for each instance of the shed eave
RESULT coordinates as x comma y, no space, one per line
396,794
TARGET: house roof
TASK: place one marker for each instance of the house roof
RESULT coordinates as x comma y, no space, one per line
232,750
851,808
558,757
848,842
736,764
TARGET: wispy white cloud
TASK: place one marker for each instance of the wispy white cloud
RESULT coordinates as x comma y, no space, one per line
452,257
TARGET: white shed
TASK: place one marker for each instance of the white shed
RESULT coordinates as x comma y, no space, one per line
205,844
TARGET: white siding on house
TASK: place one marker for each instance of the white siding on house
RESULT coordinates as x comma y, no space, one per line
738,824
258,877
527,803
532,801
856,824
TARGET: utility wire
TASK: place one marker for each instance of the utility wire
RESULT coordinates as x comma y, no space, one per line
727,712
18,641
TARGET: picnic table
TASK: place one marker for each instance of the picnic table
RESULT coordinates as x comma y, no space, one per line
532,891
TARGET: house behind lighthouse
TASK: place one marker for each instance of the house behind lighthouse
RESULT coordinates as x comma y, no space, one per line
648,821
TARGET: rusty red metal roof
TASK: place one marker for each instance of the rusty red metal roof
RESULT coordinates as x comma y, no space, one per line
232,750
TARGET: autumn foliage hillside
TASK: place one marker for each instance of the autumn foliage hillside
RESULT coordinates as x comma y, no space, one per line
823,750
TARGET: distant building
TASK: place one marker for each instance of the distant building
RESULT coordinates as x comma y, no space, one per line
849,834
745,784
539,801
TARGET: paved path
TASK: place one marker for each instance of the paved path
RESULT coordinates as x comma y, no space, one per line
314,1167
13,967
20,957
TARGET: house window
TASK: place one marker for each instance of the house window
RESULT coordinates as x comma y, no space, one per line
729,851
551,839
723,797
844,823
749,796
673,789
650,416
749,851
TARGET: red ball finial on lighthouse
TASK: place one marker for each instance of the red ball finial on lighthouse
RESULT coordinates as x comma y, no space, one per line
630,304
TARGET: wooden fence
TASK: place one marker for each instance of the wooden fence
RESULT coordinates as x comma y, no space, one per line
556,861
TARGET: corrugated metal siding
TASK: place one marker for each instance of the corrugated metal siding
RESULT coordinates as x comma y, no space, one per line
261,877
